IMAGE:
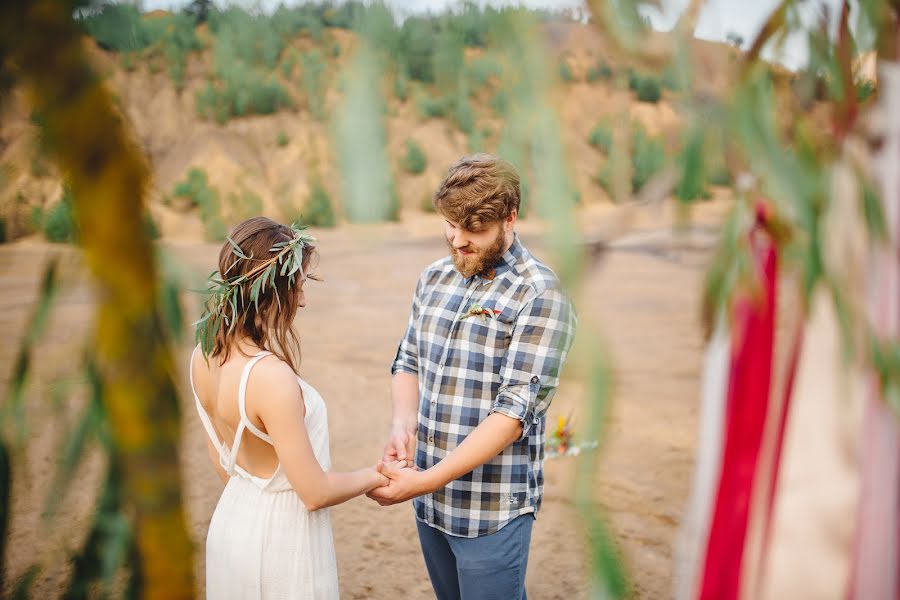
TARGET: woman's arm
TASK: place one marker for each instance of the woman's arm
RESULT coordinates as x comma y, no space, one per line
280,407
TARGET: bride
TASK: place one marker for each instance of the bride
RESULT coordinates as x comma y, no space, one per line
270,535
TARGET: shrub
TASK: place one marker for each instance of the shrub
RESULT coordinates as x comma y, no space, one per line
314,83
206,198
401,85
3,233
500,102
481,70
282,139
319,211
117,27
601,137
463,113
599,70
431,107
59,221
415,161
649,90
648,157
416,49
242,92
565,71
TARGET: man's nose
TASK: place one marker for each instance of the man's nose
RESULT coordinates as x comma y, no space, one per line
460,241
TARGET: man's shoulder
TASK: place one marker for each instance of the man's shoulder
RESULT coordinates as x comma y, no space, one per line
538,275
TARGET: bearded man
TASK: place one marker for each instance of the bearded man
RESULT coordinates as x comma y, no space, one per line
471,383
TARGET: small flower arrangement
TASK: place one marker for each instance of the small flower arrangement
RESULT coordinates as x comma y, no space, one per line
476,310
561,441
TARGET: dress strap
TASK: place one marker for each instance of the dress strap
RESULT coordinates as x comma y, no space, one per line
242,398
204,418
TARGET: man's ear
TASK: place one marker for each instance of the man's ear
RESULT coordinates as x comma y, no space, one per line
510,220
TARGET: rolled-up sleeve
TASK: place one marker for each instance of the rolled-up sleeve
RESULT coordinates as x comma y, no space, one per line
541,339
407,357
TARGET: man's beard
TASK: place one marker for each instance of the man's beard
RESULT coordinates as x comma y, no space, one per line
483,259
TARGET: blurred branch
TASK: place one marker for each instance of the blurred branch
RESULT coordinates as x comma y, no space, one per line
108,178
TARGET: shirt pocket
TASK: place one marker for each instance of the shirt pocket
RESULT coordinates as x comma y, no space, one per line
485,335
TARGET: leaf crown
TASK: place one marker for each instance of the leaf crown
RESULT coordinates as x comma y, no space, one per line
225,294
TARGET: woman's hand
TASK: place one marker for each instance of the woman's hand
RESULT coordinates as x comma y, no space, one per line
382,479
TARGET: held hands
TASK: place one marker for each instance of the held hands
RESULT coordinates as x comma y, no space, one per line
403,483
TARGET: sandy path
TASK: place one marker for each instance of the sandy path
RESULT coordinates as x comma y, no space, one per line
646,303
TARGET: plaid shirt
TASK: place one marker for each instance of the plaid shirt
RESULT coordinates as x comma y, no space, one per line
470,367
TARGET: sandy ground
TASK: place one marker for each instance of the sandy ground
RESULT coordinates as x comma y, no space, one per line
643,293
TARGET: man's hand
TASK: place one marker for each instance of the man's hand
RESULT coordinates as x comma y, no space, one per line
401,445
403,484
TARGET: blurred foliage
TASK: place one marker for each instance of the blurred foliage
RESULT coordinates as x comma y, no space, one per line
648,158
648,89
414,161
139,534
319,210
601,136
599,70
315,82
59,223
195,188
565,70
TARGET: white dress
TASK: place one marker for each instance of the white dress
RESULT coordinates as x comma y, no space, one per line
262,542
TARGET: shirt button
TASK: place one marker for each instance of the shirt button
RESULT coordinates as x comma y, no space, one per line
430,439
535,379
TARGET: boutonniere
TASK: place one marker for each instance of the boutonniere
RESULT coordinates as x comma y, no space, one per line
476,310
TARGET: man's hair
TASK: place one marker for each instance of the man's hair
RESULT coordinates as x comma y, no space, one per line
479,189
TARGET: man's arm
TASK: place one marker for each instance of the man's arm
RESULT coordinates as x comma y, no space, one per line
405,390
485,442
405,419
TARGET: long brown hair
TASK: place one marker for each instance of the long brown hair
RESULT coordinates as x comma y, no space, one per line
268,321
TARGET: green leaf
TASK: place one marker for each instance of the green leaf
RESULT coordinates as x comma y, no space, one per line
235,248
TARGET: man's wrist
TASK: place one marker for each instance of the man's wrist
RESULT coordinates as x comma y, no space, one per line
408,425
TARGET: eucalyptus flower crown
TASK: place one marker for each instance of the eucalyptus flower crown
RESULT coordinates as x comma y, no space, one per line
224,292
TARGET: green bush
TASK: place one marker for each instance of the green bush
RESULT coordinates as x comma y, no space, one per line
244,91
117,27
601,137
565,71
282,139
648,157
430,107
463,113
3,232
416,49
206,198
59,221
634,79
319,211
481,71
401,85
415,161
314,83
649,89
599,70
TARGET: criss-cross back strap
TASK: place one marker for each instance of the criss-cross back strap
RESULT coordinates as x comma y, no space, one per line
228,459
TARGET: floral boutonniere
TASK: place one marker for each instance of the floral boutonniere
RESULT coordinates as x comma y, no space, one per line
476,310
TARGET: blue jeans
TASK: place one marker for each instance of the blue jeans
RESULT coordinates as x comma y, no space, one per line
490,567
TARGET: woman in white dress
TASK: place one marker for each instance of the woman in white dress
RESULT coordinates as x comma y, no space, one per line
270,536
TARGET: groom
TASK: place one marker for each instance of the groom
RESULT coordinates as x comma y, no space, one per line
473,377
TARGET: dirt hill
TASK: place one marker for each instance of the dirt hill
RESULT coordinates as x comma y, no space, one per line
275,157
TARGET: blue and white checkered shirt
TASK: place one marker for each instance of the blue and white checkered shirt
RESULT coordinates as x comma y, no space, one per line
471,366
